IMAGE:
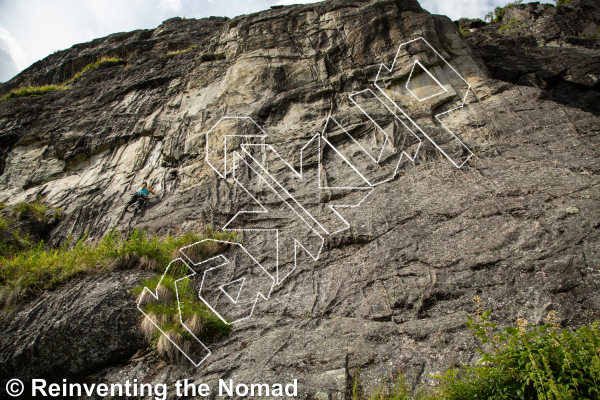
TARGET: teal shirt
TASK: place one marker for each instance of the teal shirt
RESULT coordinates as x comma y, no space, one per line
143,192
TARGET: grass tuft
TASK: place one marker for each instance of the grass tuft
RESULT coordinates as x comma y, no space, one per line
34,210
32,91
177,301
104,61
175,52
40,269
12,241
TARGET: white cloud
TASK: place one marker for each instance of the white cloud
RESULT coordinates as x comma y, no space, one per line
62,23
169,5
461,8
11,46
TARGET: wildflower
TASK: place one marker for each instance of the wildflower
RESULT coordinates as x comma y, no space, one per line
521,325
552,319
479,303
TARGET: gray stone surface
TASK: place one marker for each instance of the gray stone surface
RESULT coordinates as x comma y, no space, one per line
553,48
394,289
72,331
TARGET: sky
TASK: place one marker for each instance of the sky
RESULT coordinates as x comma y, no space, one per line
32,29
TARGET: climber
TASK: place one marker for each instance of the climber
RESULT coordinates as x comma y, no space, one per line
139,196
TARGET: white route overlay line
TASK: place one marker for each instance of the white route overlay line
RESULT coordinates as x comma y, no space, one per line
239,290
444,90
305,215
382,90
258,293
296,242
351,97
147,291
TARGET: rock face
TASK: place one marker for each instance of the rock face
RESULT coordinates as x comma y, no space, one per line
72,331
555,49
517,224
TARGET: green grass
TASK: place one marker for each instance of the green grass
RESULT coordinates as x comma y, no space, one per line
177,301
33,91
521,362
175,52
512,24
189,303
38,90
498,13
40,269
104,61
33,210
464,31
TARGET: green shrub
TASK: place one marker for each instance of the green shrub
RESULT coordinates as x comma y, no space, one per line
464,31
527,361
521,362
33,91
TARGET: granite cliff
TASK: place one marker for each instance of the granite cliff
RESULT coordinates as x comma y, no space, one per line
517,224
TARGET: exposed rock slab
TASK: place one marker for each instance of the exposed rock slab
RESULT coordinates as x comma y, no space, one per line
394,289
72,331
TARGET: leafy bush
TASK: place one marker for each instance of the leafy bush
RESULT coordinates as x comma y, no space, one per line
33,91
522,362
39,269
527,361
